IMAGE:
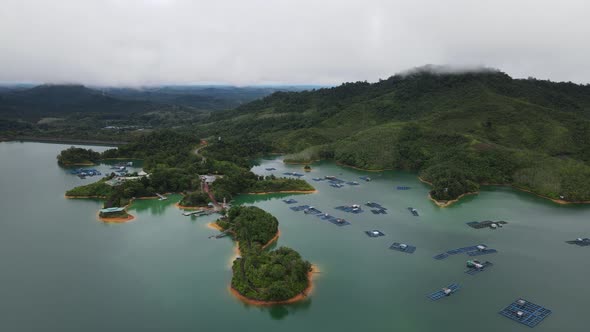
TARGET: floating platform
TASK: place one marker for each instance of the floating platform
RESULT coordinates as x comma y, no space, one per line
580,242
311,210
290,201
525,312
486,224
375,205
352,183
413,211
408,249
464,249
350,209
379,211
482,252
374,233
318,179
270,169
336,185
300,207
446,291
441,256
403,188
324,216
474,270
338,221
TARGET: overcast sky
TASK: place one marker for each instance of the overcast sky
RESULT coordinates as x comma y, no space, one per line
133,42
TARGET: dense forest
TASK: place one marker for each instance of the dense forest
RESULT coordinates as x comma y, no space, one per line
458,130
78,156
260,274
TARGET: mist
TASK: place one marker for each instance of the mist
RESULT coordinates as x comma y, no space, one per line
138,43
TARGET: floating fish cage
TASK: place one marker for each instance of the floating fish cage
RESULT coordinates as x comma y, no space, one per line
374,233
352,183
312,210
271,169
413,211
482,252
300,208
525,312
318,179
580,242
379,211
365,178
290,201
408,249
446,291
403,188
441,256
486,224
350,209
338,221
336,185
474,270
375,205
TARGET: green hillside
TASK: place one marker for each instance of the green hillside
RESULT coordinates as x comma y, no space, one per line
458,130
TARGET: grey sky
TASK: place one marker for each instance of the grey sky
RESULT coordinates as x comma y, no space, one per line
132,42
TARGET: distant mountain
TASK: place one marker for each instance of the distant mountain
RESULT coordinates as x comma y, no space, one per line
51,100
459,129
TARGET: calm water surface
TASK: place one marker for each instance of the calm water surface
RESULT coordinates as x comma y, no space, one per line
63,270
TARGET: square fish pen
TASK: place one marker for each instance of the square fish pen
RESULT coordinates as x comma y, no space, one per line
290,201
447,291
374,233
408,249
525,312
299,208
474,270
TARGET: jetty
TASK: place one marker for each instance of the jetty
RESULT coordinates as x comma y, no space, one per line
161,197
408,249
525,312
444,292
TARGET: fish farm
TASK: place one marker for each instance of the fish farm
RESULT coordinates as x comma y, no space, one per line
413,211
486,224
580,242
476,267
476,250
525,312
82,172
446,291
350,209
408,249
374,233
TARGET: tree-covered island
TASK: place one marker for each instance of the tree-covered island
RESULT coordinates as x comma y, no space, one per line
261,276
78,156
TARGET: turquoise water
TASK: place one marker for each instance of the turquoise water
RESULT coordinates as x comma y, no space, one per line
63,270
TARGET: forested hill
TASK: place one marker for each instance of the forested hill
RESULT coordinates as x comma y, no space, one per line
459,130
47,100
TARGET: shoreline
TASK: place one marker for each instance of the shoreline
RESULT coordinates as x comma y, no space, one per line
299,297
363,169
64,141
284,192
78,164
115,220
83,197
182,207
554,200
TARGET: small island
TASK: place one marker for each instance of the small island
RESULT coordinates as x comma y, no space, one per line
74,156
263,277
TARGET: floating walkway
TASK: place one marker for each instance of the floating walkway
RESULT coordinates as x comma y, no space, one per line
525,312
413,211
580,242
476,267
350,209
403,188
290,201
408,249
486,224
374,233
446,291
161,197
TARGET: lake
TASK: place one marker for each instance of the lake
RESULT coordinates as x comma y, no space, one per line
64,270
